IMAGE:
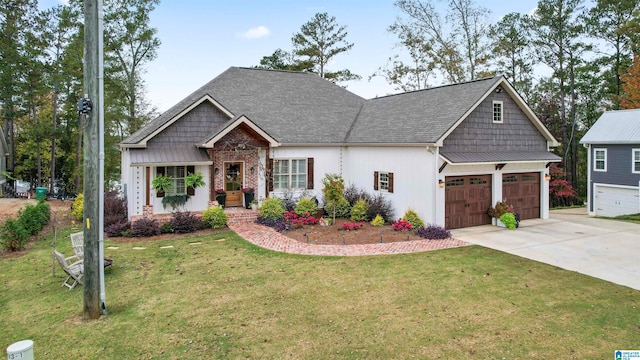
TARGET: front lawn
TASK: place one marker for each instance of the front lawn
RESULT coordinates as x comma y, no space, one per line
217,296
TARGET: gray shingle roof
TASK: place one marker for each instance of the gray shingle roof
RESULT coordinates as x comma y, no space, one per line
615,127
417,117
492,157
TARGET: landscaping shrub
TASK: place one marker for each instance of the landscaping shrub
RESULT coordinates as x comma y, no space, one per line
342,209
296,222
44,211
287,200
13,235
359,210
351,226
115,208
185,222
215,217
379,205
77,207
272,208
30,219
279,225
118,229
412,218
166,228
145,227
509,220
402,225
306,205
353,193
433,232
377,221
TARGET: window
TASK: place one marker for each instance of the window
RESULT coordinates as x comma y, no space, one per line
635,161
497,112
289,174
177,175
383,181
600,160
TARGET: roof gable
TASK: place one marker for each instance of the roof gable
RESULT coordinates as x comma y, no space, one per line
615,127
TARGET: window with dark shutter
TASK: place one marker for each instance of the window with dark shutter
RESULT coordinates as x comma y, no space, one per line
375,180
191,170
310,173
270,177
390,177
383,181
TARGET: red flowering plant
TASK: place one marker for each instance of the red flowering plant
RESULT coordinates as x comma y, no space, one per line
247,190
401,225
297,221
352,225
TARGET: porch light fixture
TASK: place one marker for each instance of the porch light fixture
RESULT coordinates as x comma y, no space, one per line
440,183
547,177
216,171
253,170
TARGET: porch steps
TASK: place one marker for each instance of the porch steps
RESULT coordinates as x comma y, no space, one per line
238,215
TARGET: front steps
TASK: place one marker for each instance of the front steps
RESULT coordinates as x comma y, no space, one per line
238,215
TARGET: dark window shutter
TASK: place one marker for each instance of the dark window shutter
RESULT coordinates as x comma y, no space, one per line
375,180
390,182
270,176
160,170
310,173
191,170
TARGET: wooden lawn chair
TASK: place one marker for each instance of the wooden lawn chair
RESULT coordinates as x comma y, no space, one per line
77,242
73,267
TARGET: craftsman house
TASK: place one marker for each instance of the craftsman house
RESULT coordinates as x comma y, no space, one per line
613,181
448,152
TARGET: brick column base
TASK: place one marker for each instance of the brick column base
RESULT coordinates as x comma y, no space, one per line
147,211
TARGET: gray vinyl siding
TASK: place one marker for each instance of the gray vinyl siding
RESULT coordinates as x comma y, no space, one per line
193,127
478,133
618,172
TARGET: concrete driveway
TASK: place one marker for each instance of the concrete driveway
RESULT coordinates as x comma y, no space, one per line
570,239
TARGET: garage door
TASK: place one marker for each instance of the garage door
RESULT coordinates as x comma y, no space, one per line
467,199
523,192
613,201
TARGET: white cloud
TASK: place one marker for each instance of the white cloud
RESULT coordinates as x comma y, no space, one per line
256,32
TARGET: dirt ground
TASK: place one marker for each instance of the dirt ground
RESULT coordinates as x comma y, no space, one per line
10,206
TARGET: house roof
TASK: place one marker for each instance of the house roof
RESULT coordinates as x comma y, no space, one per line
615,127
167,156
421,116
295,108
497,157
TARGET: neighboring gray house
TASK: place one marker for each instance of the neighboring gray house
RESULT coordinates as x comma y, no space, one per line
4,152
614,163
448,152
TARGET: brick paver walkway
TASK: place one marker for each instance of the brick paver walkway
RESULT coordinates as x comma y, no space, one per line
268,238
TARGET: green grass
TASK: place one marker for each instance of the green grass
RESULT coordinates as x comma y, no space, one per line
227,299
635,218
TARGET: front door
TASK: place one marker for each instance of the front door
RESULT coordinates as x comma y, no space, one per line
233,183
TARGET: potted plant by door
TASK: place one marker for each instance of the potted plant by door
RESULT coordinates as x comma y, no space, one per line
161,183
249,194
193,181
221,197
504,215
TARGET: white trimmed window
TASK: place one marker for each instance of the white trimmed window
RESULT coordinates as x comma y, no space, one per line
497,112
177,175
383,181
289,174
635,161
600,160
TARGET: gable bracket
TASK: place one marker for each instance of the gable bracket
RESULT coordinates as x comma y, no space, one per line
548,164
500,166
442,167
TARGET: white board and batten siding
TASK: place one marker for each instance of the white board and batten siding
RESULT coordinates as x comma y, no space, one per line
615,200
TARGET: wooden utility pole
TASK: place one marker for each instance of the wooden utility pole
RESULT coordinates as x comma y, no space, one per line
91,288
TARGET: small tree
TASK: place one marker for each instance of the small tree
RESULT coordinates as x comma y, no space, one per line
332,190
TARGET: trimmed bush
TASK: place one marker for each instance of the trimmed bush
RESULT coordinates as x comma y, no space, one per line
145,227
30,219
13,235
379,205
185,222
401,225
412,218
353,193
272,208
433,232
215,217
359,210
77,207
118,229
306,205
115,208
377,221
509,220
342,209
279,225
166,228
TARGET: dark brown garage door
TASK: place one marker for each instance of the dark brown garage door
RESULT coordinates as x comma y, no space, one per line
467,199
523,192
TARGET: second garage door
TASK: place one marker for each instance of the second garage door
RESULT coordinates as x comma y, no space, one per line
467,199
613,201
523,192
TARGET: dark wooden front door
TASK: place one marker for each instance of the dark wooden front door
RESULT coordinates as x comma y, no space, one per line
467,199
233,183
523,192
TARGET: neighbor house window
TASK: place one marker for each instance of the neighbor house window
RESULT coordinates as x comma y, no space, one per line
497,111
636,161
383,181
289,174
177,175
600,160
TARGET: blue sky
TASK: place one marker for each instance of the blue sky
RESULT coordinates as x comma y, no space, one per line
202,38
